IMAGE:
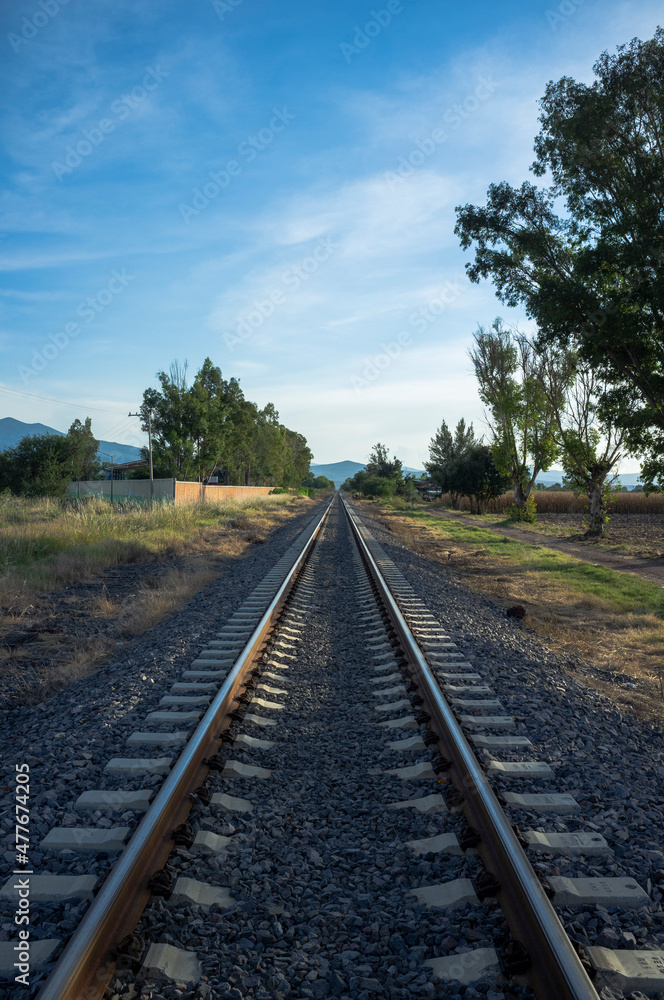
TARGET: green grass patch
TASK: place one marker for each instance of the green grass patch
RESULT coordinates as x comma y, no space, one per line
621,591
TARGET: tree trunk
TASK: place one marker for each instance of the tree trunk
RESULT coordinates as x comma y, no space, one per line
596,528
520,495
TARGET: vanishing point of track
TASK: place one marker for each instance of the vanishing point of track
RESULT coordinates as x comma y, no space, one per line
432,692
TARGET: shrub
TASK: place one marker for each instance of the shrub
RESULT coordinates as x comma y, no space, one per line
527,513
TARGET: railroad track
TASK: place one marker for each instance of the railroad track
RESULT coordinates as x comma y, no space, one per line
372,849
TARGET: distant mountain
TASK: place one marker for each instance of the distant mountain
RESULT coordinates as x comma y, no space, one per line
628,479
339,472
11,432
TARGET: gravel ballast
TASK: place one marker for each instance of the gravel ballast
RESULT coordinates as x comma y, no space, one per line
318,874
319,869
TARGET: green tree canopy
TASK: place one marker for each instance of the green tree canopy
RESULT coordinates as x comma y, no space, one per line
512,379
473,474
45,464
379,464
445,449
592,277
209,426
382,476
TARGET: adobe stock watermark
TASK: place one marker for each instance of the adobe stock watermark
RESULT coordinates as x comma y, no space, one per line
454,117
223,7
293,278
562,12
120,108
420,320
248,149
378,21
88,311
31,26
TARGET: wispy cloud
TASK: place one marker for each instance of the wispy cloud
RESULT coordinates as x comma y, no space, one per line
325,177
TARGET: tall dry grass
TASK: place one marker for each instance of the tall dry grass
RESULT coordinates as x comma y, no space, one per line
567,503
45,543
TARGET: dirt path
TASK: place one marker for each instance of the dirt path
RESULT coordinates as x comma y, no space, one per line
625,564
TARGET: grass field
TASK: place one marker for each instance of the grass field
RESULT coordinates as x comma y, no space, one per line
611,620
59,618
45,543
637,533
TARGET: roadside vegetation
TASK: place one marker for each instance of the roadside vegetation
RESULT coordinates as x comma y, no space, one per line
201,431
586,388
632,533
78,579
596,360
81,576
45,543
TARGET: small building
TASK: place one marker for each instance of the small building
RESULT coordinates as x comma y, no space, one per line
427,489
119,472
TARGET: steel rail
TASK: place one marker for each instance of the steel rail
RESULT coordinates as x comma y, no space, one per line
88,961
555,972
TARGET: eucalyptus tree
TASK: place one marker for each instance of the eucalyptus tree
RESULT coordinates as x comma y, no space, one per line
585,255
590,447
173,446
523,390
210,425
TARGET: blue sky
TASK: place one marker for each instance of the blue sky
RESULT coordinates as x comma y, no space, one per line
272,185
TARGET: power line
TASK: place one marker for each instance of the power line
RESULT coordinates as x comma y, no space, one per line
60,402
125,423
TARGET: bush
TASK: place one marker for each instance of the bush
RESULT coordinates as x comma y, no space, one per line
526,514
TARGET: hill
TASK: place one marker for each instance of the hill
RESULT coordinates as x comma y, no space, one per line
11,432
339,472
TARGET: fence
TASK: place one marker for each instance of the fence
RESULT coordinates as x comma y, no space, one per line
192,492
163,490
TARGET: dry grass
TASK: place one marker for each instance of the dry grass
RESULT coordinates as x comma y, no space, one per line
160,597
104,607
45,544
563,502
45,547
605,618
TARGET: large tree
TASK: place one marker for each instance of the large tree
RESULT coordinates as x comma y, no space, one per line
590,447
209,425
381,465
511,379
592,277
444,451
210,415
473,474
83,445
173,424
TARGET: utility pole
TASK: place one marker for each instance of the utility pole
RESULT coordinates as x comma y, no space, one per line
149,450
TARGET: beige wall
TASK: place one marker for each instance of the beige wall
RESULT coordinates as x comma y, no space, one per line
164,489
